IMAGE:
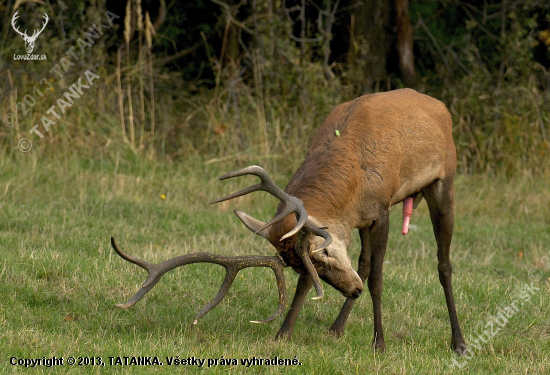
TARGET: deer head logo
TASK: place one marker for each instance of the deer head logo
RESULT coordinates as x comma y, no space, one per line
29,40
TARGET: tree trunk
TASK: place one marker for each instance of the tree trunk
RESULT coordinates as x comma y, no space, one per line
370,43
405,42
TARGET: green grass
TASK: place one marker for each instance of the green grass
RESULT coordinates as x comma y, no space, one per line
59,278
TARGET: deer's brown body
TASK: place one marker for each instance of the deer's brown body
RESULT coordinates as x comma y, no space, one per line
390,146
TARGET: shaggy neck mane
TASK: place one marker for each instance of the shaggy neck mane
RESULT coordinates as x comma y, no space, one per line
326,188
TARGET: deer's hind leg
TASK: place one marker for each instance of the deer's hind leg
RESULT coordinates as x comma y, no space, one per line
440,198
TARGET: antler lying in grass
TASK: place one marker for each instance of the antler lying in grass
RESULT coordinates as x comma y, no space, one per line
232,266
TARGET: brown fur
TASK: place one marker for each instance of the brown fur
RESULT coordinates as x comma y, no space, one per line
385,139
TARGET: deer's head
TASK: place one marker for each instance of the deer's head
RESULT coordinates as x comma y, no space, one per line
304,243
29,40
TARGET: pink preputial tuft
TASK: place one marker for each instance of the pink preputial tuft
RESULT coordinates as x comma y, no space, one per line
407,213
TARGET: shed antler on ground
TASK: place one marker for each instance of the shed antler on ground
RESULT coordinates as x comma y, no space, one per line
232,266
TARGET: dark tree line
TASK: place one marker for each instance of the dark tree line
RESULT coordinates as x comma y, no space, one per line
373,39
219,75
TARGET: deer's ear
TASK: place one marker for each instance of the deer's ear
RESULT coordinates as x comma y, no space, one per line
253,224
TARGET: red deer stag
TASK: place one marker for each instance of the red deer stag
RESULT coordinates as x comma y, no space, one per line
368,155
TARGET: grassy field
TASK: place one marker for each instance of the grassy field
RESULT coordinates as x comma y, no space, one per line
59,278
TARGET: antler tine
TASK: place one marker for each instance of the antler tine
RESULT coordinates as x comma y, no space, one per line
239,193
303,253
44,23
13,19
154,275
321,233
232,266
143,264
292,204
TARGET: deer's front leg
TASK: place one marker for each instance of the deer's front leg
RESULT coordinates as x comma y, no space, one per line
304,285
363,270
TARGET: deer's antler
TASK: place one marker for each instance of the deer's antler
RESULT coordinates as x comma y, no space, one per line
232,266
291,204
13,19
36,32
24,34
